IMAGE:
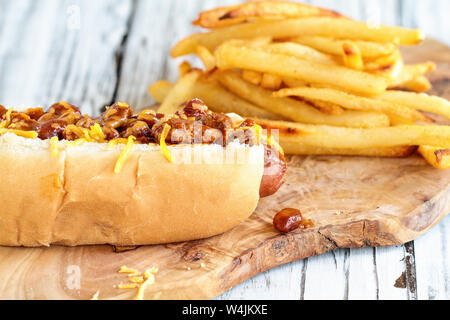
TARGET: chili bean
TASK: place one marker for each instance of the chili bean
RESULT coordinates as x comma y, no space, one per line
52,128
290,219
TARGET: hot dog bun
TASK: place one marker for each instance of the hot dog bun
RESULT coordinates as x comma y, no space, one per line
75,198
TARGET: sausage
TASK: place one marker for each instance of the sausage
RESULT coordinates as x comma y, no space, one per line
274,170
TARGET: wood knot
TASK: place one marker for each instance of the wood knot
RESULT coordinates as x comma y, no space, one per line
193,254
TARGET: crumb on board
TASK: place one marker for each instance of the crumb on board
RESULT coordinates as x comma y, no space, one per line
137,280
96,295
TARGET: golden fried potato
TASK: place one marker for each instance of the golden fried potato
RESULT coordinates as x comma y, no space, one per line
226,16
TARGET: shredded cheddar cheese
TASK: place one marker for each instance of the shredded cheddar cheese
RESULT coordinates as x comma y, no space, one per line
80,132
65,104
162,143
7,120
149,280
136,274
125,269
140,282
128,286
272,143
124,155
21,133
122,104
114,142
96,133
258,131
8,114
93,134
54,145
138,279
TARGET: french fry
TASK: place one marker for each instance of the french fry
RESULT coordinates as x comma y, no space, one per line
410,72
180,93
160,90
226,16
437,157
221,100
254,77
419,84
322,106
389,66
290,28
258,41
184,68
295,83
397,121
209,91
300,51
270,81
382,152
326,107
334,47
339,137
337,77
207,58
229,56
352,56
382,62
420,101
297,110
352,102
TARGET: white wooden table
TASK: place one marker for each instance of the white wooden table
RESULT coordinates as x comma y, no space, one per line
92,53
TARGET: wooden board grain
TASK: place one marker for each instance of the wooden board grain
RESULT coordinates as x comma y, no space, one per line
354,202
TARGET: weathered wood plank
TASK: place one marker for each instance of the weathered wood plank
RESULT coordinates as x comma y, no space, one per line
281,283
156,27
390,266
363,275
432,254
53,50
146,53
326,276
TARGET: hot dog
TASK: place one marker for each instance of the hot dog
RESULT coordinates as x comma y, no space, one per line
127,178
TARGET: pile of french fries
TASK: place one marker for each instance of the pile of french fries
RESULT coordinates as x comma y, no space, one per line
329,85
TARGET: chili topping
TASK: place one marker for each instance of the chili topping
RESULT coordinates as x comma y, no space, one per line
194,124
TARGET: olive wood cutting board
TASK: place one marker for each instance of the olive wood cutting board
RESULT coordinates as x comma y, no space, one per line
353,201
